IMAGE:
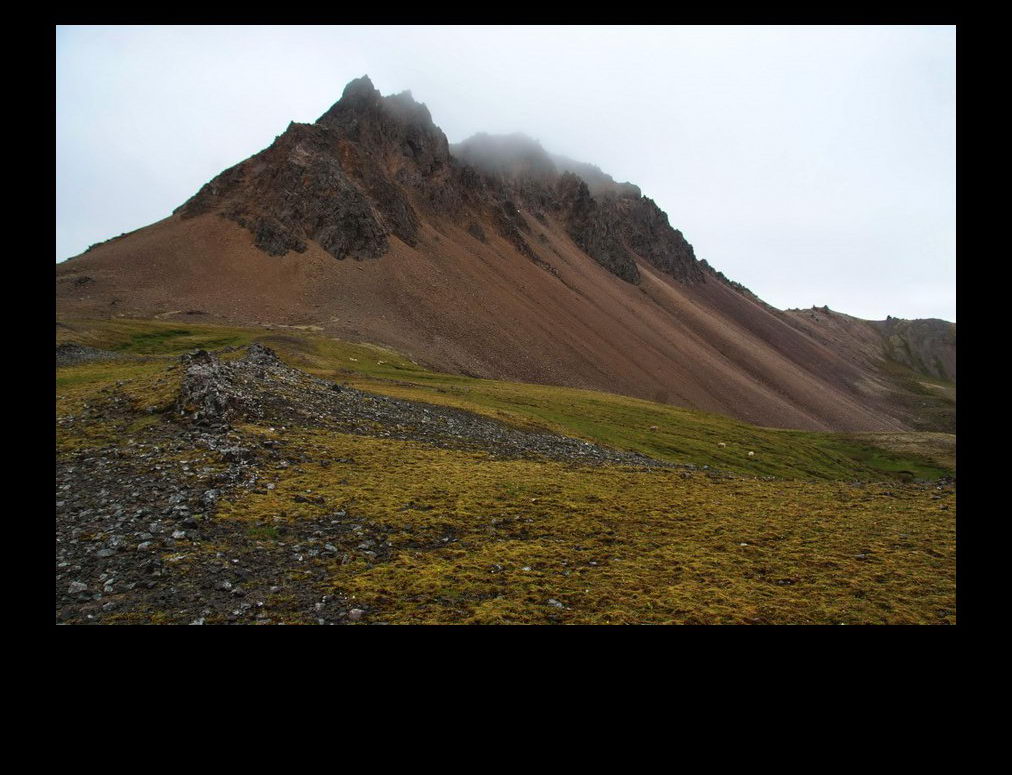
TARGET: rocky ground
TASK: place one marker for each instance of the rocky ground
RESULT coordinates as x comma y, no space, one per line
261,389
136,538
71,354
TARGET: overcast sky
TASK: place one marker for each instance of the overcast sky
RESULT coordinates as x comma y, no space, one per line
815,165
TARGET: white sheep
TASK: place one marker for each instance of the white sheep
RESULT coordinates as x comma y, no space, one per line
751,454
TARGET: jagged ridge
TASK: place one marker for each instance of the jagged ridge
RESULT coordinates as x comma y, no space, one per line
362,172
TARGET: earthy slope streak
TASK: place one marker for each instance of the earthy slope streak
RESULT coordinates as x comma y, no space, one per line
478,269
926,346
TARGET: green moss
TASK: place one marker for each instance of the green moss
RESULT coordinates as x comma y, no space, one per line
262,532
906,466
143,422
476,540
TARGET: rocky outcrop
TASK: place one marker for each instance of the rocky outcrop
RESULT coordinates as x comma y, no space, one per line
298,190
594,228
647,233
342,182
206,395
395,127
374,167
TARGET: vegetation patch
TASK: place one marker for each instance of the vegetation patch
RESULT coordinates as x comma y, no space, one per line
467,539
151,337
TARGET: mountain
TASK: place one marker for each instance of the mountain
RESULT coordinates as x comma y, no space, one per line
494,258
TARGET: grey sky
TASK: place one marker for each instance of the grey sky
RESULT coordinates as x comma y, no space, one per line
815,165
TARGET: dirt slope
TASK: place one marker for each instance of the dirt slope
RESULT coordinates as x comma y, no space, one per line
485,310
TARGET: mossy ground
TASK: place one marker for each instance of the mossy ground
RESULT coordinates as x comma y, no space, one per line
104,404
475,540
790,538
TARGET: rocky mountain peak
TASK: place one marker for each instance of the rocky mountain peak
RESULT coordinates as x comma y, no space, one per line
360,88
395,123
375,166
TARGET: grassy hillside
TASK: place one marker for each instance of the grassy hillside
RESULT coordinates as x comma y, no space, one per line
661,431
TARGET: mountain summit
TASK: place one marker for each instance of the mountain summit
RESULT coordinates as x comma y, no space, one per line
372,167
492,257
